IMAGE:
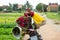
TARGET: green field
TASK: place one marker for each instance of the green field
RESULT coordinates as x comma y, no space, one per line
7,22
53,15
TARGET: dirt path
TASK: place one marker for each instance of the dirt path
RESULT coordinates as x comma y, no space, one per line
50,31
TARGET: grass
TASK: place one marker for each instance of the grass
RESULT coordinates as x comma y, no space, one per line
53,15
6,34
8,19
7,37
11,14
7,22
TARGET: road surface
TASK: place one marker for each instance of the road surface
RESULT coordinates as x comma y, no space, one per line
50,31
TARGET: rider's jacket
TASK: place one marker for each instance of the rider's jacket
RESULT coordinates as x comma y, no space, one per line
25,21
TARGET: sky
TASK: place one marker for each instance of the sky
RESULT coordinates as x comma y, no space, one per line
32,2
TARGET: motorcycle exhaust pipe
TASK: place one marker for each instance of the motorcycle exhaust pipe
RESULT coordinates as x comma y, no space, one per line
16,31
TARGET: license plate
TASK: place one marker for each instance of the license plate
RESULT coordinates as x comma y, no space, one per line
34,38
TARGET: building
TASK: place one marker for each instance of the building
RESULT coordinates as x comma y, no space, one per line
52,7
20,6
4,6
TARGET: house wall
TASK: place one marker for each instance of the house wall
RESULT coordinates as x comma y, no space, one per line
52,7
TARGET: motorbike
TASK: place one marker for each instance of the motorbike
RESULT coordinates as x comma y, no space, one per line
17,32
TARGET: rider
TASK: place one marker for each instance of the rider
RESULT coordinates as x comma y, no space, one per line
25,21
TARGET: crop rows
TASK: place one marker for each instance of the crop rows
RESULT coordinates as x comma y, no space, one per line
7,22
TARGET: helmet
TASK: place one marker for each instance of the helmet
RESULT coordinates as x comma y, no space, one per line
28,10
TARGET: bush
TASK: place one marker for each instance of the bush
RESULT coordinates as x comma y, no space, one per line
1,9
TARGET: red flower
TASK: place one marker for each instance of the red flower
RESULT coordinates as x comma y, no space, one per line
21,21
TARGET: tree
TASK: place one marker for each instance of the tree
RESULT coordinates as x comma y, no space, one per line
59,8
10,7
19,10
1,9
45,7
27,5
41,7
15,6
23,7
